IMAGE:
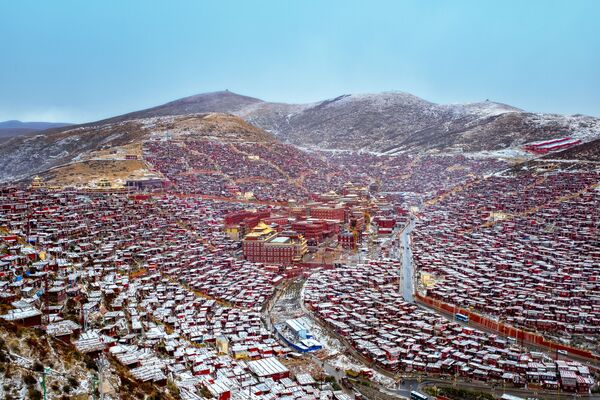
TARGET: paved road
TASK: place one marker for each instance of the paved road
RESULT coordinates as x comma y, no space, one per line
402,251
407,265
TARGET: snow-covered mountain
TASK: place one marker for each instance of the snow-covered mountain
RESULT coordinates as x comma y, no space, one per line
395,121
390,122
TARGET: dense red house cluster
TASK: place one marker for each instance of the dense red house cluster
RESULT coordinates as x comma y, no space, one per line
363,304
523,248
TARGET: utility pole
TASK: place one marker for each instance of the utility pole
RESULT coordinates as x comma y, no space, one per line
45,371
83,318
99,384
94,386
46,296
44,382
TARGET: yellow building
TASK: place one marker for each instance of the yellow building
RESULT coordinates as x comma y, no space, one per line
233,231
37,182
222,345
104,183
261,231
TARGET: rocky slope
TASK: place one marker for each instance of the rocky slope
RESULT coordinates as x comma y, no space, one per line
25,352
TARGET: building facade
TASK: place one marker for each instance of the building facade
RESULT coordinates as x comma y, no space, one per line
264,244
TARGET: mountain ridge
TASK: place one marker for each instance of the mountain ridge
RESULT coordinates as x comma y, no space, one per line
392,121
16,124
15,127
388,122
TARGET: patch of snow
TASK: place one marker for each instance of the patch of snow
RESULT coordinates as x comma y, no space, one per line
509,153
488,109
112,137
62,154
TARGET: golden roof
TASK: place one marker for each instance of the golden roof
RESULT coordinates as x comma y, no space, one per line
260,230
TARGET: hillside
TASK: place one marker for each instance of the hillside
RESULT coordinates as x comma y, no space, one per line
24,156
25,352
70,374
219,126
586,151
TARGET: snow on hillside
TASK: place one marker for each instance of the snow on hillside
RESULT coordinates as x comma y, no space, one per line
384,123
488,109
379,100
581,127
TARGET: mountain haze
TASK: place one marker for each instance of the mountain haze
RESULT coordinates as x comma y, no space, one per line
15,127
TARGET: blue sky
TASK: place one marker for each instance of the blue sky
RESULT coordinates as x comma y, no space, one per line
85,60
